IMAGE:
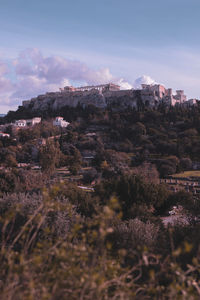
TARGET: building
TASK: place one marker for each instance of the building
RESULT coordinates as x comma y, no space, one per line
33,121
4,135
180,97
20,123
68,89
102,88
158,90
59,121
107,95
165,95
29,122
191,102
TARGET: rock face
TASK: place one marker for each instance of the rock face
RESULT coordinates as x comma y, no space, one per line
108,95
80,98
117,99
55,101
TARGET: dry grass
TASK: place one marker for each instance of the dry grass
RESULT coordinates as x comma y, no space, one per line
187,174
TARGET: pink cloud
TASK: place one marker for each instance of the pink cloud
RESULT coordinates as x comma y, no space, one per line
54,69
3,68
32,74
5,83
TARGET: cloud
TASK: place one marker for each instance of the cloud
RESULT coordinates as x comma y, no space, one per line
3,68
144,79
55,69
32,73
38,74
124,85
5,83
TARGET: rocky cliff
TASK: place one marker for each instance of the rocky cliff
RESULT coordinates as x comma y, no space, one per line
56,101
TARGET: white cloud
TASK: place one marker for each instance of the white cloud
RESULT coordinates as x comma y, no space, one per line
124,85
144,79
36,74
32,73
54,69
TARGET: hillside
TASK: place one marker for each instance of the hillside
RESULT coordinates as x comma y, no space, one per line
96,208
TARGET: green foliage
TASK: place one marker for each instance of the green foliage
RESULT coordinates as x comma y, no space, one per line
43,130
10,160
49,156
131,190
41,261
8,182
15,180
66,243
85,203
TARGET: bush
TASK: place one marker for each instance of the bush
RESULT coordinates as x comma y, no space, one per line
132,190
8,182
135,233
185,164
59,215
41,261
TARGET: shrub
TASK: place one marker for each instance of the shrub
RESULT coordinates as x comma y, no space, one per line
135,233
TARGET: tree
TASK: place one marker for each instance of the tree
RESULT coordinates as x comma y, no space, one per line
10,160
148,172
8,182
186,163
90,175
49,156
131,190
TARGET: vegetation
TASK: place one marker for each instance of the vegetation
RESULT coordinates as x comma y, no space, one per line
82,208
187,174
49,251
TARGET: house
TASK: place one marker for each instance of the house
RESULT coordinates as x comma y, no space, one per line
59,121
90,134
29,122
33,121
20,123
2,134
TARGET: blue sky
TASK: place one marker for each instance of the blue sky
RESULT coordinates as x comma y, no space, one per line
47,44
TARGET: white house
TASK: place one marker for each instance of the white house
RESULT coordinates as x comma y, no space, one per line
20,123
60,122
29,122
2,134
33,121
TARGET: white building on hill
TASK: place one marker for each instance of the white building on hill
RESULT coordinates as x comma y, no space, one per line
59,121
33,121
2,134
29,122
20,123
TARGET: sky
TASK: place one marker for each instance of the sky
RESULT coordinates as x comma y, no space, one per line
48,44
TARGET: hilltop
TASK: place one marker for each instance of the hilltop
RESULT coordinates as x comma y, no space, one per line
102,96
